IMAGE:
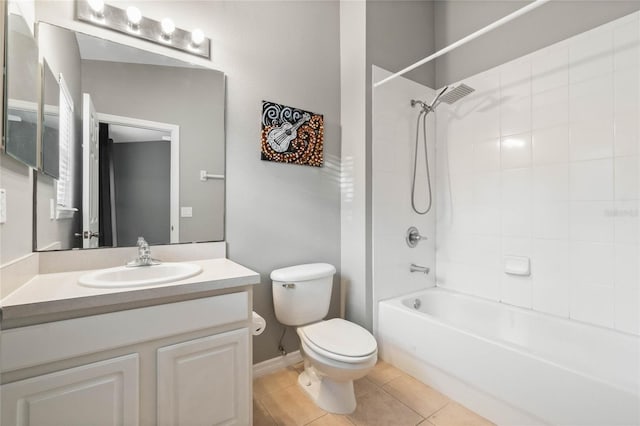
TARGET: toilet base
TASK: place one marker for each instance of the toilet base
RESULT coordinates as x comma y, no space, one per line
334,397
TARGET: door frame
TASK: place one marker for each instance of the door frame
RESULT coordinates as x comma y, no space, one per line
174,130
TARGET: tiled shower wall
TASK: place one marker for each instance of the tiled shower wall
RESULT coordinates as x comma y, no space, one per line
393,138
542,161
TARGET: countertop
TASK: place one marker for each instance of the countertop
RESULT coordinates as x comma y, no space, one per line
56,296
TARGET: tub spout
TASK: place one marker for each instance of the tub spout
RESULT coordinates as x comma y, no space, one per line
418,268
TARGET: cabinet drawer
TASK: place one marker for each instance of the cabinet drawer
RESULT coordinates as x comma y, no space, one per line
43,343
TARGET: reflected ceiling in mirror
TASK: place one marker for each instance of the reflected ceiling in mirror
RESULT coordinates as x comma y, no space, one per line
140,127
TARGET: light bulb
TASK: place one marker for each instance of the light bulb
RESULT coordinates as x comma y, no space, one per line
168,27
134,16
97,6
197,37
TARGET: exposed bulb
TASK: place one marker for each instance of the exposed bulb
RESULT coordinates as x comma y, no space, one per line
197,37
97,6
134,16
168,27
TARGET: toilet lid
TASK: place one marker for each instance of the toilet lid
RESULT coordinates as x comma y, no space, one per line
340,337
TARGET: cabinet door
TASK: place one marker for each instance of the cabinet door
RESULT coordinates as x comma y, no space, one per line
205,381
102,393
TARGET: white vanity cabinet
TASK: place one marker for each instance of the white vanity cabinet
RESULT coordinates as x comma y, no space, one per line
182,363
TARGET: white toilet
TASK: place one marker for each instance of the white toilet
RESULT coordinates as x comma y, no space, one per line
336,352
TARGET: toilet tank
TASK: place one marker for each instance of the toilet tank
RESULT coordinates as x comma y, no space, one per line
302,293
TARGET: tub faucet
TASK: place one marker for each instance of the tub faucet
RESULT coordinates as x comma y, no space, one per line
144,255
418,268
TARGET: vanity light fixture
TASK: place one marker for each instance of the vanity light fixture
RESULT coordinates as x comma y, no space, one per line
134,16
97,8
168,28
197,37
132,22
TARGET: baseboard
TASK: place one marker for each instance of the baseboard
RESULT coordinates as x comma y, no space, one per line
274,364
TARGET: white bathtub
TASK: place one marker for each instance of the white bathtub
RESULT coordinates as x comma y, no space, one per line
513,365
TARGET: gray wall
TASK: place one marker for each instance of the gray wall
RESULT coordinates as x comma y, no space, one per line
398,32
142,179
277,215
190,98
542,27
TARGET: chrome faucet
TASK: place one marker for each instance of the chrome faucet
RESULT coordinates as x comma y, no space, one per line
144,255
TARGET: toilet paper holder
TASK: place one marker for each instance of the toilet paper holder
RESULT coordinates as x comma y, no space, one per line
258,324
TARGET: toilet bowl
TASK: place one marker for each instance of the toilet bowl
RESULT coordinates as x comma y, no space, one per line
336,352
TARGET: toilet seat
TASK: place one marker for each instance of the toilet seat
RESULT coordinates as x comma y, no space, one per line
339,340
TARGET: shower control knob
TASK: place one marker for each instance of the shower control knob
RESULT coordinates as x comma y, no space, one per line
413,237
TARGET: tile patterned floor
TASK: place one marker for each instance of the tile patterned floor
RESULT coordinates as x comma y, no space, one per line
386,397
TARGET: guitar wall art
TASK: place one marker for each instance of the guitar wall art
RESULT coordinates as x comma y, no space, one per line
292,135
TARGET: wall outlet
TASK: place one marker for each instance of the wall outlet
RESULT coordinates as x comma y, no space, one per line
3,206
186,211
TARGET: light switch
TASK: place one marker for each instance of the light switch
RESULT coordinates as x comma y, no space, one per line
3,206
186,211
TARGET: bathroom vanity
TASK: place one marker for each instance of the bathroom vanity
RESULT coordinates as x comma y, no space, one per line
166,354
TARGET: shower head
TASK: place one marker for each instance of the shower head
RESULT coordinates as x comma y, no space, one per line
456,93
448,95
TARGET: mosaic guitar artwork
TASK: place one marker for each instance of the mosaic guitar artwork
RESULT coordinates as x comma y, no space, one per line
292,135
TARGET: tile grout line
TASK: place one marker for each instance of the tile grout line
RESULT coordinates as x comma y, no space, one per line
403,403
267,410
440,409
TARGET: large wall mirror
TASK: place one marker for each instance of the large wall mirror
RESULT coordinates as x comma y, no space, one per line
135,129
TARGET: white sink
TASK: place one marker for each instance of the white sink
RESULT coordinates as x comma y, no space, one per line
139,276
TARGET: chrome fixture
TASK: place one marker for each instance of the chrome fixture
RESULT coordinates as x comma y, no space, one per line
144,255
417,303
131,21
418,268
413,237
448,95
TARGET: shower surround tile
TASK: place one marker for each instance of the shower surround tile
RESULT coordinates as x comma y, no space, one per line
568,196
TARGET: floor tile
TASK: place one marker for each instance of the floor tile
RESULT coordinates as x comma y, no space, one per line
380,408
274,381
363,386
331,420
291,406
383,373
261,416
454,414
416,395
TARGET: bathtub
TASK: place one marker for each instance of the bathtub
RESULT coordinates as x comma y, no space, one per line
512,365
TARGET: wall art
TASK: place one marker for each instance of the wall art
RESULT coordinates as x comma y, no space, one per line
292,135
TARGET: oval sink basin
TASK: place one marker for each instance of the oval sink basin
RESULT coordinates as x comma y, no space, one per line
139,276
